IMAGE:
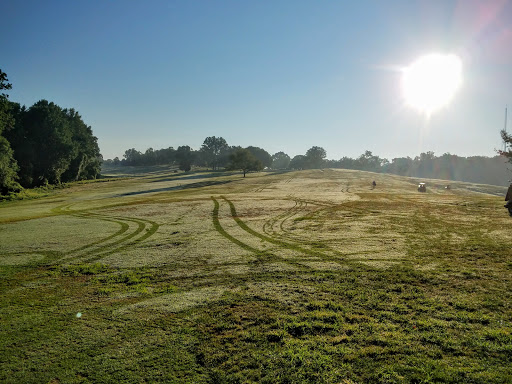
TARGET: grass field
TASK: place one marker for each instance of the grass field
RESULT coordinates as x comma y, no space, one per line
288,277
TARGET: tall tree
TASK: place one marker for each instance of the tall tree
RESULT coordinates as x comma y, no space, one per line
86,159
213,149
8,165
315,157
262,155
242,159
280,160
53,145
132,157
48,133
298,162
185,157
369,162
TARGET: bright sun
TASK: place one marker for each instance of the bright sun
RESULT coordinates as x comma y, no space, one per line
430,83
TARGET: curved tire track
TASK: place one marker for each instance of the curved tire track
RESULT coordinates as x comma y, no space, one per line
105,246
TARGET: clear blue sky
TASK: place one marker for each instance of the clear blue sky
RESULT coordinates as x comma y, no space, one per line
280,75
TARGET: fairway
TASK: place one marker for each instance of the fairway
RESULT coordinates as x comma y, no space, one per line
279,277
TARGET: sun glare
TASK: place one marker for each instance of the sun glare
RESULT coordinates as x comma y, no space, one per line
430,83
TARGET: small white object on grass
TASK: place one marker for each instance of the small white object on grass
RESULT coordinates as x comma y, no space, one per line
79,314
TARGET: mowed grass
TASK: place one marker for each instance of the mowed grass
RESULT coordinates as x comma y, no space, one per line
291,277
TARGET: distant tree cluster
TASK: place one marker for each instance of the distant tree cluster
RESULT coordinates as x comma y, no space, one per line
477,169
43,144
217,154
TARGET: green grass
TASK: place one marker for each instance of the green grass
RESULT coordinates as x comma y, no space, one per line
299,277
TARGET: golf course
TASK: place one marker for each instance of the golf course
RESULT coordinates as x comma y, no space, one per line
150,274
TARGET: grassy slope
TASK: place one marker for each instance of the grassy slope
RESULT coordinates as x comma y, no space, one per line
308,276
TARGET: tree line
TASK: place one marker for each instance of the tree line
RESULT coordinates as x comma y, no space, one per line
46,144
43,144
215,153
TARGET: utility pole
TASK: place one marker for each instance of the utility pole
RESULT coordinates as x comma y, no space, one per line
505,129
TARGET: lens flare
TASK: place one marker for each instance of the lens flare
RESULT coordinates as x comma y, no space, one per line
431,82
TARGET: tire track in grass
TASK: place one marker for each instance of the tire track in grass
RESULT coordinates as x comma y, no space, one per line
300,205
221,231
97,252
142,226
262,256
295,246
123,229
65,210
281,243
268,226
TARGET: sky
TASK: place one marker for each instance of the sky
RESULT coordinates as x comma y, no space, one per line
283,75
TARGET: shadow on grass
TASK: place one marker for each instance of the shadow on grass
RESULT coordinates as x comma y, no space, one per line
177,187
190,176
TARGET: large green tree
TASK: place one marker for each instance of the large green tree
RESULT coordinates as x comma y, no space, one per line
262,155
370,162
213,149
185,157
52,145
298,162
46,147
132,157
242,159
280,160
315,157
8,165
85,162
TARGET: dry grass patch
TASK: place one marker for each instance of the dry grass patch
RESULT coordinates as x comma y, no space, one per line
18,259
379,264
324,266
286,293
56,233
176,302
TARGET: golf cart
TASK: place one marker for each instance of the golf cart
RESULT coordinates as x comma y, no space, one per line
422,187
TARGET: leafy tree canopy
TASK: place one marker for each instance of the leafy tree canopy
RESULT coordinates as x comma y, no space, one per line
212,150
280,160
8,165
52,145
185,157
242,159
315,157
262,155
298,162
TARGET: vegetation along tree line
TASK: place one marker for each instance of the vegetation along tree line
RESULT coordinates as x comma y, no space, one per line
216,154
46,144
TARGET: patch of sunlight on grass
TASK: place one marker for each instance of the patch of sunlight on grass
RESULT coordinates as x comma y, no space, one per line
278,267
56,233
501,235
379,264
234,269
323,265
20,259
283,292
176,302
427,267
